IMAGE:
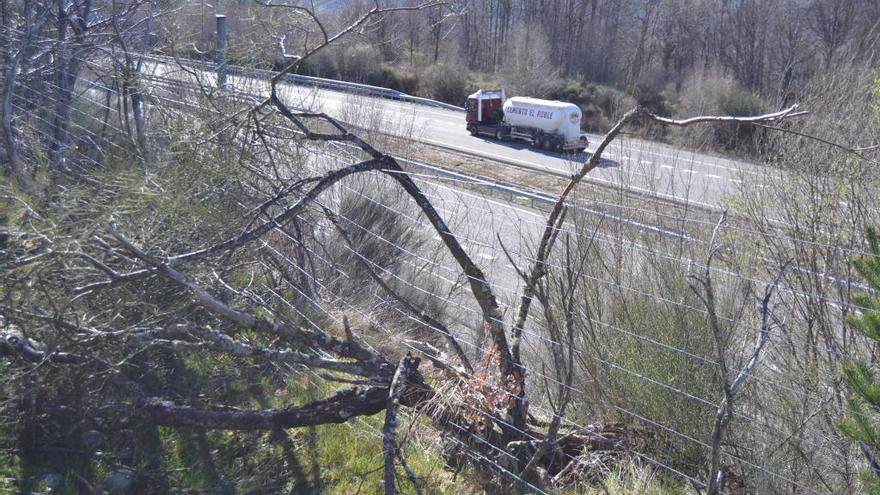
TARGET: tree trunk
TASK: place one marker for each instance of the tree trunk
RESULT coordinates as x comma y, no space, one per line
15,165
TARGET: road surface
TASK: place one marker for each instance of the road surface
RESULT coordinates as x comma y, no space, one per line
636,164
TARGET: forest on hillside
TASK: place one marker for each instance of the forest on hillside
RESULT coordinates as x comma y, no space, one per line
730,57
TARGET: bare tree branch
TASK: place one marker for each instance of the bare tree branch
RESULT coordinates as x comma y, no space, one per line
10,72
721,336
339,408
252,234
405,369
757,119
368,362
857,151
554,221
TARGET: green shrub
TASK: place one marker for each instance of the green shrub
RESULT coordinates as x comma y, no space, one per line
570,90
739,103
638,352
700,95
860,376
655,102
322,64
393,78
652,99
444,82
358,63
711,94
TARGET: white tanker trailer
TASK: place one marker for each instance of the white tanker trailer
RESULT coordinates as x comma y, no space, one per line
546,124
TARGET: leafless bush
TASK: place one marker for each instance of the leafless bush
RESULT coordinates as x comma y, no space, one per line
528,68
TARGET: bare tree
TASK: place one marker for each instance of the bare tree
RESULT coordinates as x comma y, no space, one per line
35,17
832,23
723,335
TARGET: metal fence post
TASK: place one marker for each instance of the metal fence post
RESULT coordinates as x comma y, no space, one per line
222,34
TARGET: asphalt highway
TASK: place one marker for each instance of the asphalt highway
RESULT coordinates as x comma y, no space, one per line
632,163
635,164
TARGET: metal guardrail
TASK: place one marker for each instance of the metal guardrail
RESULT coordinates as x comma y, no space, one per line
332,84
536,199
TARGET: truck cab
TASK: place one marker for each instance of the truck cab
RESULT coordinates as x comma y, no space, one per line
484,111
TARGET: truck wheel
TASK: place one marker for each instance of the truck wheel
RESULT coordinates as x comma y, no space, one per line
472,129
499,135
539,142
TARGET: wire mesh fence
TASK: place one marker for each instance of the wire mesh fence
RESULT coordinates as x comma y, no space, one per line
623,334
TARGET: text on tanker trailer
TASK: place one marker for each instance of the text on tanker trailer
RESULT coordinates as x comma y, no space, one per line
546,124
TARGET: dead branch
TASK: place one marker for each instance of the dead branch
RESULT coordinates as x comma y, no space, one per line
368,363
857,151
407,367
249,235
480,287
436,357
706,294
225,343
301,9
409,474
511,375
10,73
339,408
757,119
555,219
17,345
721,335
872,460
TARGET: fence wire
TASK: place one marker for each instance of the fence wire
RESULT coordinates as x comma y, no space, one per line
484,216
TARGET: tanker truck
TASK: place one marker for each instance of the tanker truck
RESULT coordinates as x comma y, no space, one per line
545,124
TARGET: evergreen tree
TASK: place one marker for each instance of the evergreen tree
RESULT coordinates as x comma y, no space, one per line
860,377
